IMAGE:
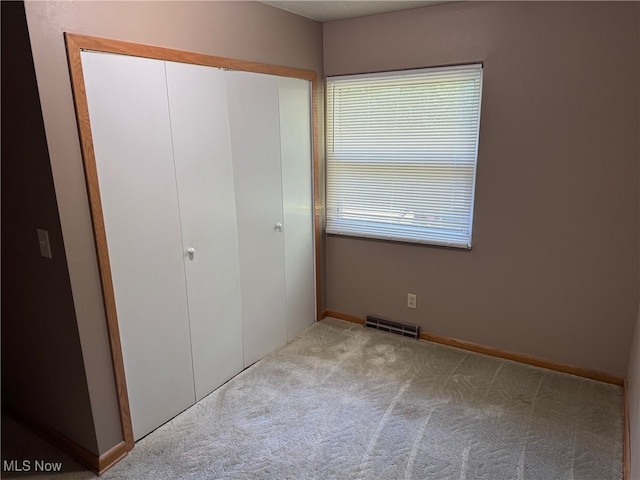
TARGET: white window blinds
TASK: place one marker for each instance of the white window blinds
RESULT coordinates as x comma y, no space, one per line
401,154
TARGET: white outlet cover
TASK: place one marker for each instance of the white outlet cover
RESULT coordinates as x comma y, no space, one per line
412,300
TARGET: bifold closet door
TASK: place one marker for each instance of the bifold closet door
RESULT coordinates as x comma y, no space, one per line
270,119
204,174
297,196
255,145
205,183
128,110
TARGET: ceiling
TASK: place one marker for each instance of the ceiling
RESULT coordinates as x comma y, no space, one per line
327,11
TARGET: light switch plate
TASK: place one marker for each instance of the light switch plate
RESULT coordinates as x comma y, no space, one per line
45,246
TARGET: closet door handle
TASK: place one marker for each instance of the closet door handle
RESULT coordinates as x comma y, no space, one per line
191,252
278,227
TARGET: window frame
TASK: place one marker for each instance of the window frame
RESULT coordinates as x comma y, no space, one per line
401,226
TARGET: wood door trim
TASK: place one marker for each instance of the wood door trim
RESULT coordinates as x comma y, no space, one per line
107,45
76,43
97,463
99,232
626,427
316,99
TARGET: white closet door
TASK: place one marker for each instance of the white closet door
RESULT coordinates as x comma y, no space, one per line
255,144
202,153
129,116
297,190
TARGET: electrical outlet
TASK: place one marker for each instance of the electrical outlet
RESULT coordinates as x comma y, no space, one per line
412,300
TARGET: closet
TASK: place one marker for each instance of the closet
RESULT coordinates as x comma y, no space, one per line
205,183
274,207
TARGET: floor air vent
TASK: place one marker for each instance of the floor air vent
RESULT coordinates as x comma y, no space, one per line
404,329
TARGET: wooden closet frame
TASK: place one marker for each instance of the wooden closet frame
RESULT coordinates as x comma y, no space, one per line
76,43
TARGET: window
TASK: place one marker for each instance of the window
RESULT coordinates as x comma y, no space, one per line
401,154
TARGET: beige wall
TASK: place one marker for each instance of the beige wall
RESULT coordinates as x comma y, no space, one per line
554,267
43,375
243,30
633,372
633,397
553,271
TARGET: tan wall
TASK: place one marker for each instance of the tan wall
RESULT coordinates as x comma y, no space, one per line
554,267
43,376
633,397
243,30
633,372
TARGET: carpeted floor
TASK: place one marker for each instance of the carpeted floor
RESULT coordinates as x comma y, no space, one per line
342,402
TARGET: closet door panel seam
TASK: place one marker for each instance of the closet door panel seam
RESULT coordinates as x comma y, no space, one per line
297,187
126,96
205,187
183,249
255,143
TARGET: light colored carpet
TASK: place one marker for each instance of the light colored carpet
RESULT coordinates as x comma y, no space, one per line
344,402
